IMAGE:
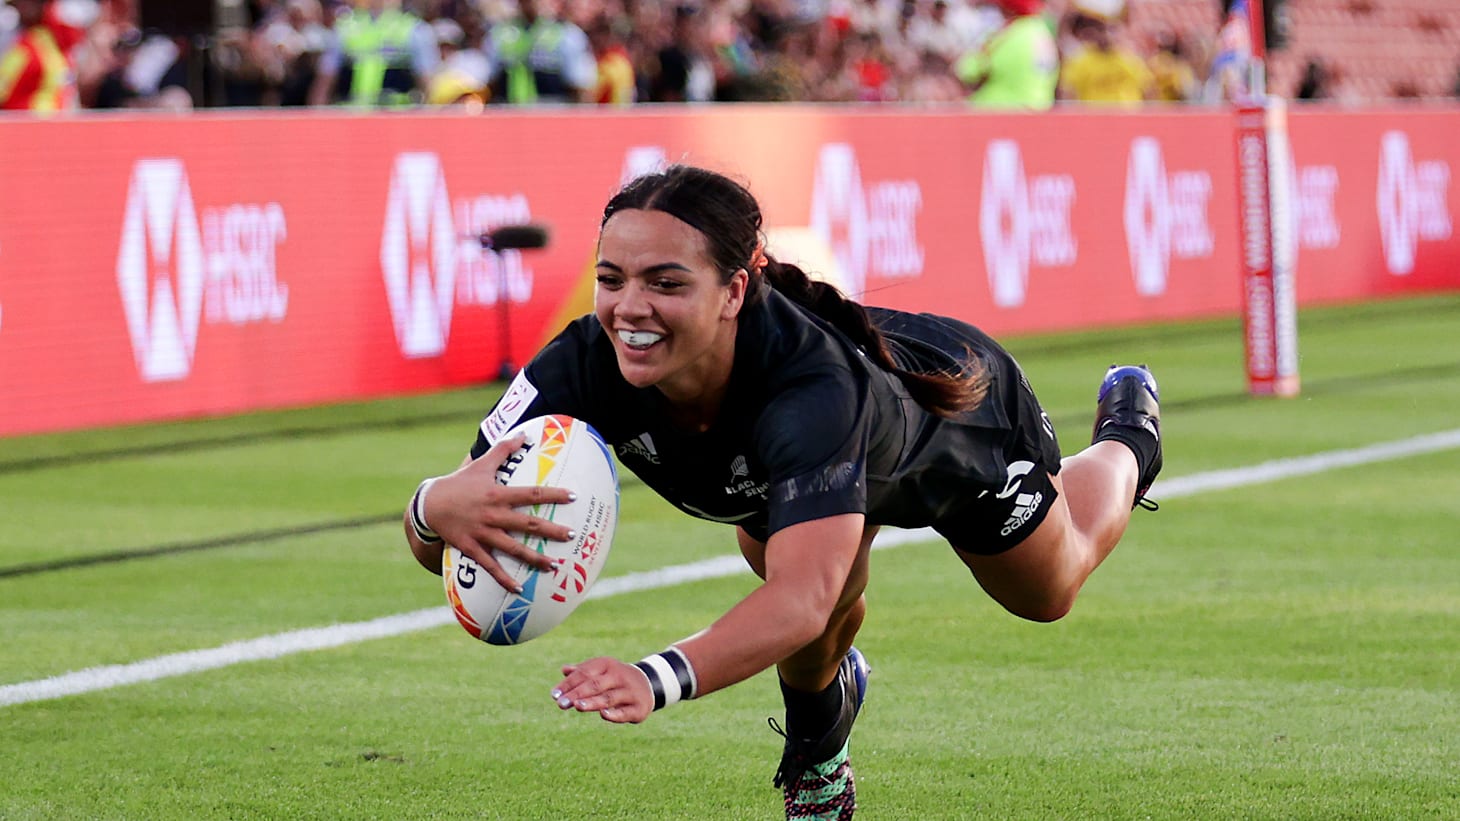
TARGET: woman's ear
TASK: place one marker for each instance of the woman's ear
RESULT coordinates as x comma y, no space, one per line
735,294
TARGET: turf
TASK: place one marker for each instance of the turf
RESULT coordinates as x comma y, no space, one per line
1284,650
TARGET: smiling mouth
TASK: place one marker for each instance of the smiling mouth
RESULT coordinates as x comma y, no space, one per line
639,340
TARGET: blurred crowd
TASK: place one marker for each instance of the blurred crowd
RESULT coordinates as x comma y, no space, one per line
60,54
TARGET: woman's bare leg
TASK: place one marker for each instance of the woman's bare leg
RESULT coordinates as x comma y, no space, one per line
1039,578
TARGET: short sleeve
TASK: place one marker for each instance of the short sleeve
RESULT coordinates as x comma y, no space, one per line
553,382
812,439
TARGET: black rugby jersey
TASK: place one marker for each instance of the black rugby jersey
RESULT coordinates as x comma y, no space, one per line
809,428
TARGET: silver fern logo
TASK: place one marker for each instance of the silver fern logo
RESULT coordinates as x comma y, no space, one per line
738,468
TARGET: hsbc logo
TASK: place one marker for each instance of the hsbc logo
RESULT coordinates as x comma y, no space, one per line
160,270
168,270
431,260
1023,221
418,255
1165,215
871,227
1412,201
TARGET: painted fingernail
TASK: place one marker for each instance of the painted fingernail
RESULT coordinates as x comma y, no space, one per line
572,534
582,705
557,694
565,703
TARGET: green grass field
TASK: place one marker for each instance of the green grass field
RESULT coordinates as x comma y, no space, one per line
1279,650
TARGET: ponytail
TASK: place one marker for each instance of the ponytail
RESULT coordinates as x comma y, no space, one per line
943,393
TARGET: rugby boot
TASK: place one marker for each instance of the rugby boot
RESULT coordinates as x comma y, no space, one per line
1128,410
816,773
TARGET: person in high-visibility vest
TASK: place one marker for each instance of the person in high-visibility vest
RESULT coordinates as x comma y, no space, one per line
541,58
36,72
1018,68
390,55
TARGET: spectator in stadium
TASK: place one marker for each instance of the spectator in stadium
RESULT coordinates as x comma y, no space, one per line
931,82
881,17
1172,74
462,75
1102,70
541,58
38,70
146,71
708,358
380,55
461,39
1018,67
682,72
795,68
932,29
732,53
616,83
292,43
1314,84
865,72
245,66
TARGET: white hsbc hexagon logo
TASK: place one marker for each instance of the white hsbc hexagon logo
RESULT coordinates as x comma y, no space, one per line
1412,201
1165,215
431,259
418,255
1022,221
160,269
168,271
870,227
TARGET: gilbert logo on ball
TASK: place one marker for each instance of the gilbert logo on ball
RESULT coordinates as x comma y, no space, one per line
560,452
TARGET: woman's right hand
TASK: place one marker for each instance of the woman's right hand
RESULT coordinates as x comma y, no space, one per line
477,515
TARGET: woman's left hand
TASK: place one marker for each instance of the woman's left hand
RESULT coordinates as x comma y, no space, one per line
618,692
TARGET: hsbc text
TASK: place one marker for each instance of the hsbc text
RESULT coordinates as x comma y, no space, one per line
240,244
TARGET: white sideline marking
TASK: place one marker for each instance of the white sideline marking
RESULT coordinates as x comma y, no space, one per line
336,635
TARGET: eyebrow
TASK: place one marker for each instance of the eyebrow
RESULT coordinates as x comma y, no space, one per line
651,270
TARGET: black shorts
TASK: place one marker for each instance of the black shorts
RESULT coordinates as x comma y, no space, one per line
992,523
986,478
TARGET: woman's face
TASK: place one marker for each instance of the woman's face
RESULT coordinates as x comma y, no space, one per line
661,301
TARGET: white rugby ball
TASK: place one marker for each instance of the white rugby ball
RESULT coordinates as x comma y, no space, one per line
565,452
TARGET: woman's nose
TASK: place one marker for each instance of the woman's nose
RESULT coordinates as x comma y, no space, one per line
633,301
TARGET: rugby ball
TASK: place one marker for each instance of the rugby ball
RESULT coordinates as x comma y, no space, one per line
560,451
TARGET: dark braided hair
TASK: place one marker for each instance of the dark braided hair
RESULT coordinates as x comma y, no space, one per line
729,218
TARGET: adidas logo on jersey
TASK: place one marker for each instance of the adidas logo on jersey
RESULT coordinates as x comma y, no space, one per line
642,447
1024,506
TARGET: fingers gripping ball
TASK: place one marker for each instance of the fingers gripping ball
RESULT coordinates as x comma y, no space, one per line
560,452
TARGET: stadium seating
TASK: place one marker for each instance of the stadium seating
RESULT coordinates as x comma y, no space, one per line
1375,49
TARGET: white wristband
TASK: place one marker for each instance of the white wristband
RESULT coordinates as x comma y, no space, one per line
670,675
418,513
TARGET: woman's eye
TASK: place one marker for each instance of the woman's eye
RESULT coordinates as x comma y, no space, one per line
668,284
609,281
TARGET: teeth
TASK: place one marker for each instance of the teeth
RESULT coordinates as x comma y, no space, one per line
639,339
